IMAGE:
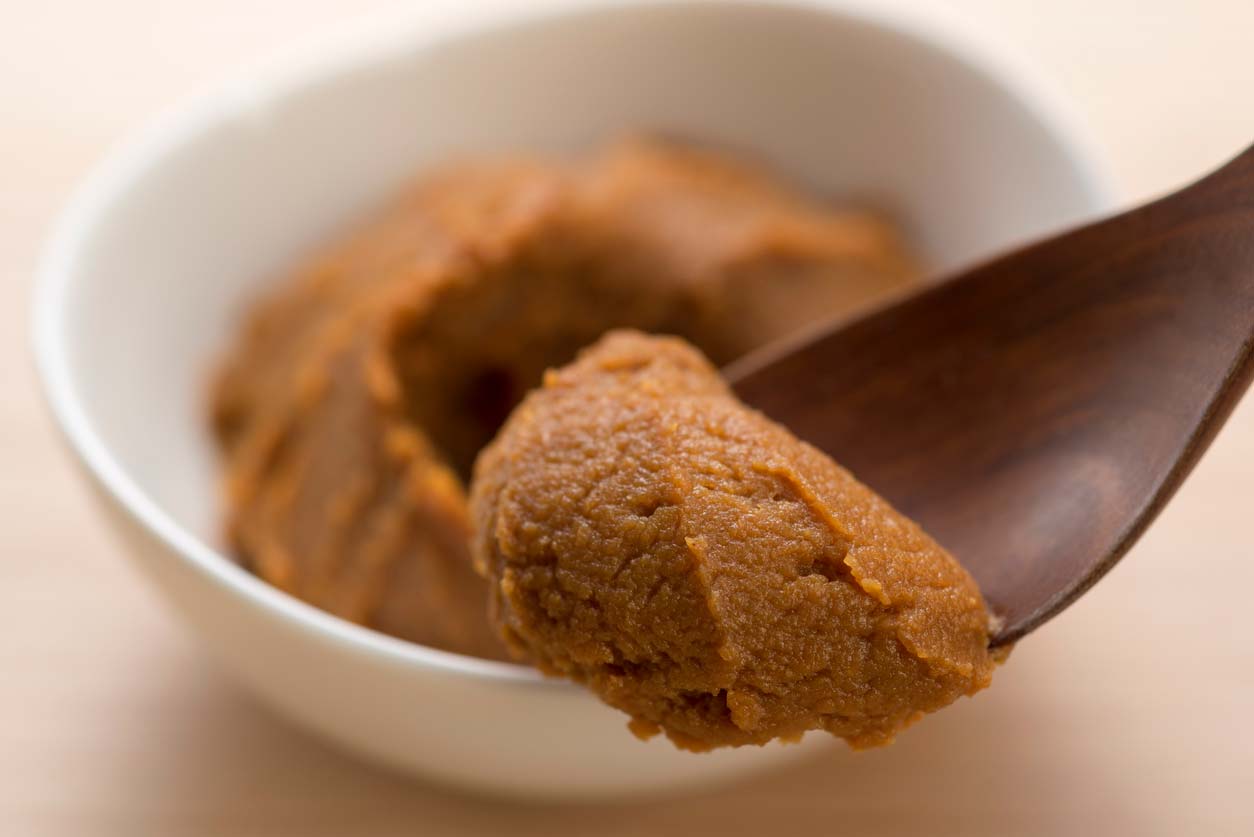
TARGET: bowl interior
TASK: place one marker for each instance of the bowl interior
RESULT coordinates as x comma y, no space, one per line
171,242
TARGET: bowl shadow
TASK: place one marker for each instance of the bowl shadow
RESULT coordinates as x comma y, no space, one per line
987,765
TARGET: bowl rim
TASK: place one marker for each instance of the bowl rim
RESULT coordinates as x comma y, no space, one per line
378,40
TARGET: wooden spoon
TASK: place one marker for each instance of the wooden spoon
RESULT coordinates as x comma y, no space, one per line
1034,414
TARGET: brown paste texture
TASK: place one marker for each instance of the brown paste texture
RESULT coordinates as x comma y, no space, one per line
352,404
700,568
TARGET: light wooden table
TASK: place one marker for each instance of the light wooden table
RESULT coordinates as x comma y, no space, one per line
1128,715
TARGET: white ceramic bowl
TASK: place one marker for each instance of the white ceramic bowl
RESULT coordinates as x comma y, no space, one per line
148,269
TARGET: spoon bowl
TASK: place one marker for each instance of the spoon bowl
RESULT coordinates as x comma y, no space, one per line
1034,414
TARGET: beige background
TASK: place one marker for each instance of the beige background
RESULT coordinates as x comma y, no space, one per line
1129,714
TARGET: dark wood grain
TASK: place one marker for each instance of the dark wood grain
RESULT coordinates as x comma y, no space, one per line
1036,413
